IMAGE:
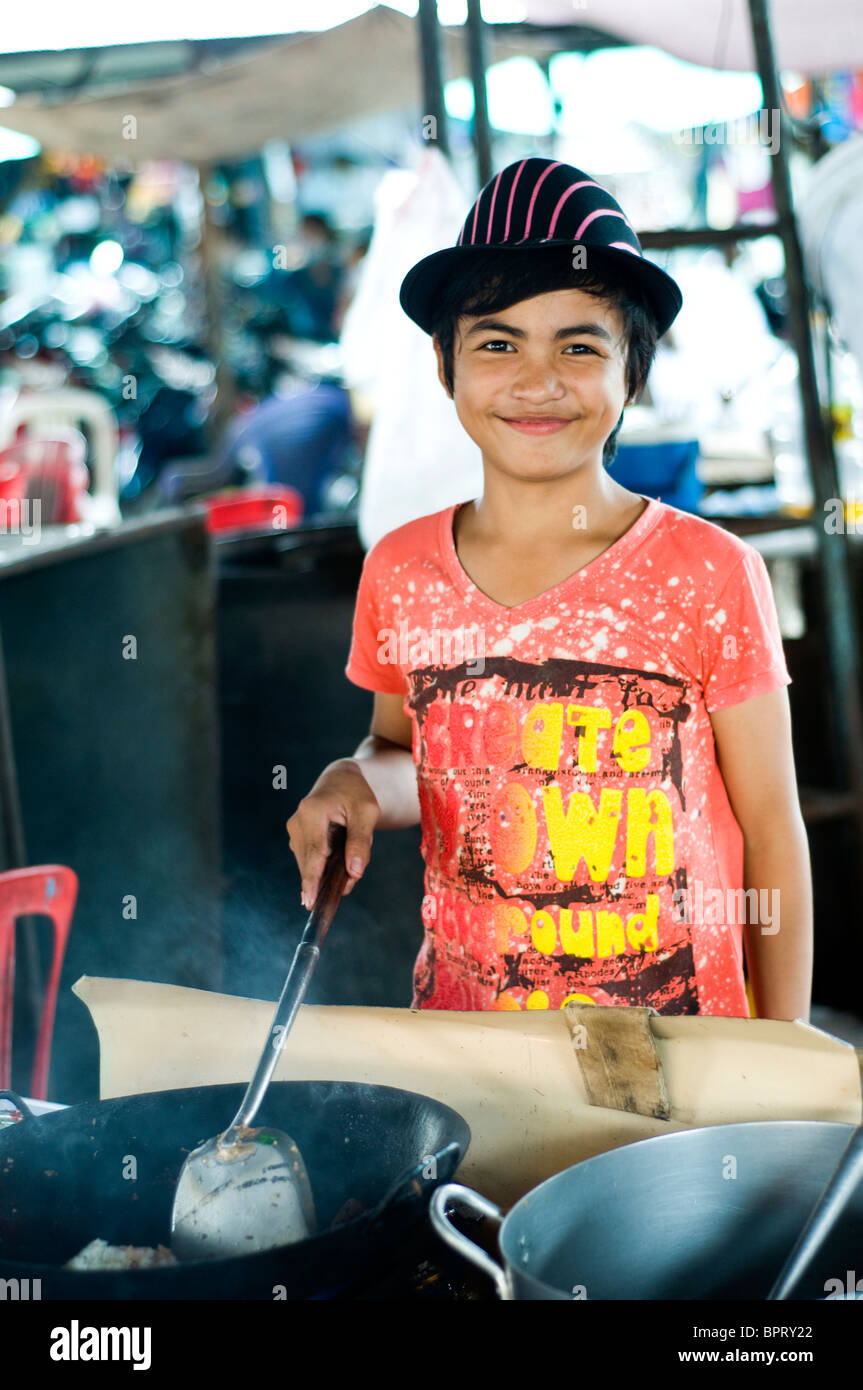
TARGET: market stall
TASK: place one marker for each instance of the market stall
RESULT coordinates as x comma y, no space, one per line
210,641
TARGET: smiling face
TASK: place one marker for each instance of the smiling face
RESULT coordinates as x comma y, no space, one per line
540,386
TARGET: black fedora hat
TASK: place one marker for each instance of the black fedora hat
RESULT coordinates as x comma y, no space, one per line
536,203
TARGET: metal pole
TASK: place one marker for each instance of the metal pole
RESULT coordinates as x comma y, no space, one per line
14,847
430,60
214,309
843,632
476,59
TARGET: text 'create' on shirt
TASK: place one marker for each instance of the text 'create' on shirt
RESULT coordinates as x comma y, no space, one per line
578,839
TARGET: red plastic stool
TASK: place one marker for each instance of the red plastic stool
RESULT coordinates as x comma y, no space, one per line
47,890
260,506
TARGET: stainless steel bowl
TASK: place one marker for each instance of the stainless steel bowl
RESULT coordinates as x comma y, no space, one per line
698,1214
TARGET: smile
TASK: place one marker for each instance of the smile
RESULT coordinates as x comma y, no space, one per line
536,424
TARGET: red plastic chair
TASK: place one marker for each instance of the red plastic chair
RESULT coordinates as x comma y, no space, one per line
50,470
47,890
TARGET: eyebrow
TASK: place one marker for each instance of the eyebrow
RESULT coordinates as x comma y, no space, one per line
573,330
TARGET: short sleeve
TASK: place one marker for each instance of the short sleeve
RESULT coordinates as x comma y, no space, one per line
369,664
743,653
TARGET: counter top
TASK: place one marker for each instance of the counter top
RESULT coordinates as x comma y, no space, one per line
19,553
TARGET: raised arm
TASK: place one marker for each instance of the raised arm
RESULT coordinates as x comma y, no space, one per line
375,789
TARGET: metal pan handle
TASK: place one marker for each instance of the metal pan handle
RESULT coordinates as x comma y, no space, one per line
473,1204
19,1103
408,1186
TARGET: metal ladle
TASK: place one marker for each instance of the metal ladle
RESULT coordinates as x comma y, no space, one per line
838,1192
248,1189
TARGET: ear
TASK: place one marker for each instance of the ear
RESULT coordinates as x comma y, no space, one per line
440,371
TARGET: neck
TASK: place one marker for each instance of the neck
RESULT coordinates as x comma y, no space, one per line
520,513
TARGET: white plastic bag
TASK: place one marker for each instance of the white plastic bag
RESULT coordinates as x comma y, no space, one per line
830,214
419,458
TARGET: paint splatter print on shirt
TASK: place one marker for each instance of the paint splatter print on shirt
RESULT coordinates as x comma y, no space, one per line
577,835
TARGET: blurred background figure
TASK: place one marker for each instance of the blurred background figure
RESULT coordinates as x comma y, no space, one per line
303,440
310,295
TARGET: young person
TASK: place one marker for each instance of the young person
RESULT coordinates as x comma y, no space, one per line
578,690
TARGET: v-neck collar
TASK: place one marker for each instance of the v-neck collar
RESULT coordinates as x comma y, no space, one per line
581,579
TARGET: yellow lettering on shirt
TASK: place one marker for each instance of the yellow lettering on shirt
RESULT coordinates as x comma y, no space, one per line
591,720
610,939
640,825
543,932
541,736
631,744
582,831
600,933
576,943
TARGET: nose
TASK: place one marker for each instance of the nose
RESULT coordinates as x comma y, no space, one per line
538,380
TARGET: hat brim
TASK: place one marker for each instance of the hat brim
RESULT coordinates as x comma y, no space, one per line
421,288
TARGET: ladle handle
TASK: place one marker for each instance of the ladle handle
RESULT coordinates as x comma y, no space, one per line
836,1194
332,886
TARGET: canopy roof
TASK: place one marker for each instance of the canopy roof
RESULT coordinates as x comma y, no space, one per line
288,89
242,95
814,39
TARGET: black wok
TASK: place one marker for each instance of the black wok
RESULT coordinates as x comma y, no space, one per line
108,1169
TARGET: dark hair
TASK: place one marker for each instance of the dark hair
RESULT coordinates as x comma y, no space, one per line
496,279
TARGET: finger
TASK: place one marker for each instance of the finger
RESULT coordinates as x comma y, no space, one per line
358,846
295,839
312,864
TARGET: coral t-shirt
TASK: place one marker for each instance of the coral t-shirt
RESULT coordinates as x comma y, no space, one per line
578,839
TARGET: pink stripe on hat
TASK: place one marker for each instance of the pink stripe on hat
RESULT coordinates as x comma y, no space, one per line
538,185
585,183
475,216
600,212
511,196
625,246
491,209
